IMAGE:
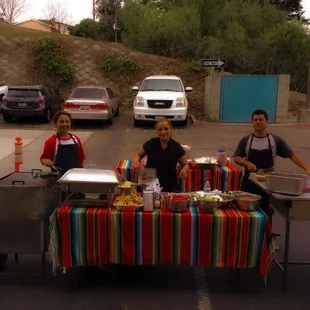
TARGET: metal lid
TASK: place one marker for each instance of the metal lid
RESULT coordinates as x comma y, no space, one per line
80,175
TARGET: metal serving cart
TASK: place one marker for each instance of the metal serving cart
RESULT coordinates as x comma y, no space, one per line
290,199
27,200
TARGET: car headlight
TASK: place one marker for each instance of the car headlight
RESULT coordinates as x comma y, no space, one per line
181,102
138,102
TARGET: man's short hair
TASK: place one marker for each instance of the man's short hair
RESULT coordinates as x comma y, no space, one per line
258,112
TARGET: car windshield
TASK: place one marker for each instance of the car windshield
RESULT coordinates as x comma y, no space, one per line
162,85
90,93
28,92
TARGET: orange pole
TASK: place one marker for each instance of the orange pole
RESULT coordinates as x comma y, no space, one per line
18,153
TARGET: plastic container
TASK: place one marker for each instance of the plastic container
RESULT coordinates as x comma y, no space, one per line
221,157
207,187
308,183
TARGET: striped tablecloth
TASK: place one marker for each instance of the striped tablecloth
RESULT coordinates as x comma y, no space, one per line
226,178
94,236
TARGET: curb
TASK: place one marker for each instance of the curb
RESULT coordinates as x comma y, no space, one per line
193,118
195,122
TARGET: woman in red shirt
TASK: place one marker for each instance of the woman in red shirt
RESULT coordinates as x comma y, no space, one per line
63,149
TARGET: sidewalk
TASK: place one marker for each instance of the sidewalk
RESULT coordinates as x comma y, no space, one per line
33,146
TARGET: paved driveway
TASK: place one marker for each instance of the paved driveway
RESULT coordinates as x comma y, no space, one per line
164,287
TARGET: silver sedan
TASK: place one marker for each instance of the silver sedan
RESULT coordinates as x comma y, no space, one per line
93,103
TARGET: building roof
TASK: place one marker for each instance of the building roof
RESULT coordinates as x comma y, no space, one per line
36,21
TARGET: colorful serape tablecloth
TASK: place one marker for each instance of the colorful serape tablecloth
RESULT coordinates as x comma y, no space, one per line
226,178
97,236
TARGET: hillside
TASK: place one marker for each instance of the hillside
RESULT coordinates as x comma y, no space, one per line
14,40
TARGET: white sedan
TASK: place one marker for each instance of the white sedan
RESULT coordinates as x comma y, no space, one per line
93,103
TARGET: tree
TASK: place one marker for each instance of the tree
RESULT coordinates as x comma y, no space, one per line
11,9
88,28
107,8
108,12
57,16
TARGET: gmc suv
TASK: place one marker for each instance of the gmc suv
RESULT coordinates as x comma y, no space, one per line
161,96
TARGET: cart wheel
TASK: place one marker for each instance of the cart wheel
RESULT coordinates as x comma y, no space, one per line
3,259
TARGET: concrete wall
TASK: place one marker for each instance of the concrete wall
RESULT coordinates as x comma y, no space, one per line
283,98
213,93
15,59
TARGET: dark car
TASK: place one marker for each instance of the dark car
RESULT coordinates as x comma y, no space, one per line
31,100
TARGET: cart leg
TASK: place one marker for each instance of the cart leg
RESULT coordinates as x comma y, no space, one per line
43,262
286,250
16,258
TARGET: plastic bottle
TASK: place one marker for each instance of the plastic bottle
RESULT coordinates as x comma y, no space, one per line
207,187
221,157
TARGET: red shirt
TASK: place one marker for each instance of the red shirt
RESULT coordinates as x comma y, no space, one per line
51,145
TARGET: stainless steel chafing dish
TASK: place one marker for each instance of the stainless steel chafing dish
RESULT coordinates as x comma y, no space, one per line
89,187
79,180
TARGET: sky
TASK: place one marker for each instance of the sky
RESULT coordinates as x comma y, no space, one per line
306,5
80,9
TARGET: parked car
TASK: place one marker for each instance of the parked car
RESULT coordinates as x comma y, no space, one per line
3,92
31,100
93,103
161,96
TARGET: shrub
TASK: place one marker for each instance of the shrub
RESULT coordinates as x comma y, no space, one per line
50,60
118,65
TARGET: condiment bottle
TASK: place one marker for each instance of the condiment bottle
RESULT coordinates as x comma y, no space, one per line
207,187
221,157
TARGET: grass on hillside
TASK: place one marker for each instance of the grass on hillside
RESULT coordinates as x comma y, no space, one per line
10,31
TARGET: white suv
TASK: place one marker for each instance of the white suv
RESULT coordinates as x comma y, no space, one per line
161,96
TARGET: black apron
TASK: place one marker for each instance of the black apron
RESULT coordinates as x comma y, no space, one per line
67,156
262,159
165,161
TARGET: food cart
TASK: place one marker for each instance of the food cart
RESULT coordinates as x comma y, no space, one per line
85,233
27,201
290,199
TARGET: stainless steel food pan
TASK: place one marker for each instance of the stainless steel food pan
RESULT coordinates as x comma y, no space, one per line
286,183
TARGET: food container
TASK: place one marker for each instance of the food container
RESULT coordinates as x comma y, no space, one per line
148,173
207,206
148,197
178,203
286,183
126,203
226,200
248,202
80,180
127,188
